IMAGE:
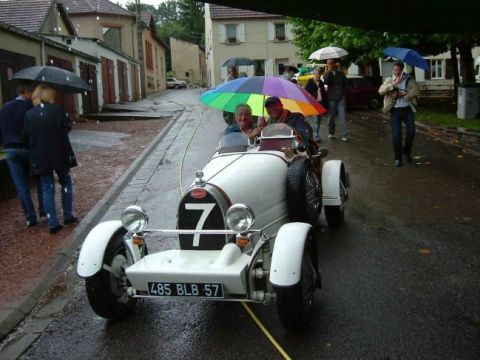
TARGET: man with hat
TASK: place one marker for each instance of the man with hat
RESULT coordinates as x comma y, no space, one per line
280,115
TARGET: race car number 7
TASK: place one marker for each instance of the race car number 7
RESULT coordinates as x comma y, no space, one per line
206,210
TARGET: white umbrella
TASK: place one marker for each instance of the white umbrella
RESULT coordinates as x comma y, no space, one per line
329,52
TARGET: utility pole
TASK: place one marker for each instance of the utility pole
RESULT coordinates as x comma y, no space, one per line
140,49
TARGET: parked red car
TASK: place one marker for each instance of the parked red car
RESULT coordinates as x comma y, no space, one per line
361,92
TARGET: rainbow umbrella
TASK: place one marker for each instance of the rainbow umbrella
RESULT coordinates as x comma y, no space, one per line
254,90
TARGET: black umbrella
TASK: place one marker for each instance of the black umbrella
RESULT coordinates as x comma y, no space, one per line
238,61
61,80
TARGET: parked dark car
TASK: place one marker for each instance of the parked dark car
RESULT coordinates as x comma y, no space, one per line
361,92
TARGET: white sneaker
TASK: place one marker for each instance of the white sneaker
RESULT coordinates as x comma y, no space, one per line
330,136
344,138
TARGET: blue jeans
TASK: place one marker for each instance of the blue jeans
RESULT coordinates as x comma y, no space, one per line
398,116
315,121
48,191
338,108
18,164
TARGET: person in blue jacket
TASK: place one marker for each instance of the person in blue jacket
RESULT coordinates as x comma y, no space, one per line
11,129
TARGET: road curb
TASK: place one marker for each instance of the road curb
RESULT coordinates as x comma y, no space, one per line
13,314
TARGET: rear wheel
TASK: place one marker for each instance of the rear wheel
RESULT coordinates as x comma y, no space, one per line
303,192
295,303
107,289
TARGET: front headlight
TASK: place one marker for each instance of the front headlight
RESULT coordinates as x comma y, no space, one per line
240,218
134,218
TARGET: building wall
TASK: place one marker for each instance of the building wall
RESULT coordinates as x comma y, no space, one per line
155,80
254,43
209,49
186,61
89,26
22,45
19,45
54,24
95,49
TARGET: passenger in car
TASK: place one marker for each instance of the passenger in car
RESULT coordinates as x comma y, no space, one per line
244,122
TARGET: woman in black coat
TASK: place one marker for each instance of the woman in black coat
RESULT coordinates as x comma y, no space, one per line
316,88
46,131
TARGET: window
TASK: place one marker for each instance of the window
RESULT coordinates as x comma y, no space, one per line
280,31
259,67
280,66
436,69
149,55
231,33
112,36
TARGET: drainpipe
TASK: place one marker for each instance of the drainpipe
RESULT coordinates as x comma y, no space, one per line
42,53
140,50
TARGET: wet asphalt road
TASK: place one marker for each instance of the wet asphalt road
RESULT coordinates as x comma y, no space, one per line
401,278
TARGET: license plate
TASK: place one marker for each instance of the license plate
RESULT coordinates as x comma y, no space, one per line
206,290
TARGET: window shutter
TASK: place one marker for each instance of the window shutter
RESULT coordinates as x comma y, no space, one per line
289,31
241,32
222,30
269,67
448,69
270,31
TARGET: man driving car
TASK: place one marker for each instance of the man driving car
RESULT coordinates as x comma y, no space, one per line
280,115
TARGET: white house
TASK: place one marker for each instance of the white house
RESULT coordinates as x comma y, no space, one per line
264,38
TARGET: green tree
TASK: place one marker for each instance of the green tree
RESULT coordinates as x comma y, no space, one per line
191,18
168,12
364,46
132,6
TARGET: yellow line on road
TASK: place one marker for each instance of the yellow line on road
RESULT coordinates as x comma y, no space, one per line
249,311
265,331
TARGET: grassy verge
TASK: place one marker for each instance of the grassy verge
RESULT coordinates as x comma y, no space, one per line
443,112
3,155
444,119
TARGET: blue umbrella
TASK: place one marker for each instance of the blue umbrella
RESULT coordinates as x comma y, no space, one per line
408,56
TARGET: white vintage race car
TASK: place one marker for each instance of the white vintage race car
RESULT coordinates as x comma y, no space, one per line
245,229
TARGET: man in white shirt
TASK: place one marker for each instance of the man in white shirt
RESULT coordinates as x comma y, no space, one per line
400,92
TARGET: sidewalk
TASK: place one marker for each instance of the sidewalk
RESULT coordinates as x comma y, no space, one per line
109,154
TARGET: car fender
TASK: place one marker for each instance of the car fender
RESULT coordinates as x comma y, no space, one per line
331,172
93,249
286,266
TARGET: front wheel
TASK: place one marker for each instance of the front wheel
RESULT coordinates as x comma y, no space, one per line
107,289
294,303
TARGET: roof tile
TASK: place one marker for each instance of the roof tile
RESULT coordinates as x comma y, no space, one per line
95,6
224,12
28,15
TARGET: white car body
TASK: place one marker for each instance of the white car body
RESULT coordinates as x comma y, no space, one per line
173,83
210,254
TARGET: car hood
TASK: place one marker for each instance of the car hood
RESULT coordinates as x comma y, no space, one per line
256,179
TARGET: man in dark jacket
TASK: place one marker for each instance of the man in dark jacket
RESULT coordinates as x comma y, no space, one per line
336,82
11,129
316,88
46,128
